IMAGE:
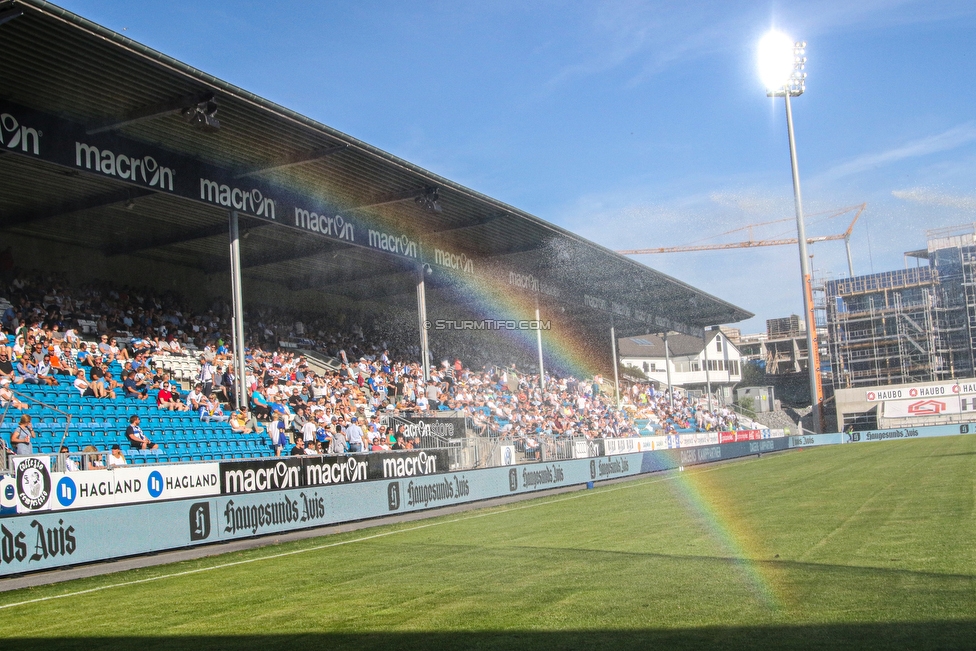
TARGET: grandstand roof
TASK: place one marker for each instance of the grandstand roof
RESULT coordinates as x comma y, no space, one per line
70,86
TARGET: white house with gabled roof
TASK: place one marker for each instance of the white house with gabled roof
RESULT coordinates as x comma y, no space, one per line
694,362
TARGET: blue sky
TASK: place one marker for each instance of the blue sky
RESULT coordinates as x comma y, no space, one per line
635,124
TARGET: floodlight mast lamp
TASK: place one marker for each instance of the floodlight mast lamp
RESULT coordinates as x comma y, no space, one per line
781,64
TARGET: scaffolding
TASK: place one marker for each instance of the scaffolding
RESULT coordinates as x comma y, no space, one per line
917,324
882,328
819,292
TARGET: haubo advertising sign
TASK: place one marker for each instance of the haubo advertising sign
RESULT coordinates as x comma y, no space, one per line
929,407
921,391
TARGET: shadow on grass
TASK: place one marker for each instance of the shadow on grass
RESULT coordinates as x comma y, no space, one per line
890,637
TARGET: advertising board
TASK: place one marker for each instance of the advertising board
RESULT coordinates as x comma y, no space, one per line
260,475
901,433
929,407
742,435
129,485
444,428
621,446
916,391
813,440
44,539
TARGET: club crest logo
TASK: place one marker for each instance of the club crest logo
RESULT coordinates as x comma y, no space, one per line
33,483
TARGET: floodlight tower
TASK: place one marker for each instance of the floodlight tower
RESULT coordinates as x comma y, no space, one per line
781,64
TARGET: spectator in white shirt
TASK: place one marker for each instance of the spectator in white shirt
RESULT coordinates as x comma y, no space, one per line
116,458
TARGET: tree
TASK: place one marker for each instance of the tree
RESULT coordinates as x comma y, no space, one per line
632,372
753,374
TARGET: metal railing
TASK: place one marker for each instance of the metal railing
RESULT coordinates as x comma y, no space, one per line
469,453
28,398
743,411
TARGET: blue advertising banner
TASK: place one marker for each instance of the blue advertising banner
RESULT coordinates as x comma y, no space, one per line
910,433
49,539
812,440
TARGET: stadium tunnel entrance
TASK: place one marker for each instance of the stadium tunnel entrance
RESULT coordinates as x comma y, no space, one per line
121,164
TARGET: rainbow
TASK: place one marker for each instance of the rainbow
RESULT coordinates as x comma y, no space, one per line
563,348
491,297
715,508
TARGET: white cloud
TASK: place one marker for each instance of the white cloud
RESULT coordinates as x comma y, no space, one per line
953,138
752,203
935,197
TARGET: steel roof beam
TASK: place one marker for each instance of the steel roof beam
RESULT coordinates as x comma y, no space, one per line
153,111
257,259
388,287
332,278
69,207
381,300
155,242
388,198
308,252
294,161
356,284
396,197
484,221
518,250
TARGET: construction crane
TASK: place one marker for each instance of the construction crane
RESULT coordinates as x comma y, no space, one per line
846,236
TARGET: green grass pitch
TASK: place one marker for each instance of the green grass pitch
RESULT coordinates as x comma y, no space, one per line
867,546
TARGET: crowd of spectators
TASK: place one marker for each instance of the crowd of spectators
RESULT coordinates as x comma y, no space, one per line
301,410
681,414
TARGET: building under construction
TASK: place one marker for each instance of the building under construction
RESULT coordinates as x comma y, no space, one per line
781,350
911,325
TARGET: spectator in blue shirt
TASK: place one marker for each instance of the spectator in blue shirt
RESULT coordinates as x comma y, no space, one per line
27,370
133,389
137,438
354,435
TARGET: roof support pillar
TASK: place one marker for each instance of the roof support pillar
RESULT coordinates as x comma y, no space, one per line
422,320
616,362
667,368
538,341
708,377
240,399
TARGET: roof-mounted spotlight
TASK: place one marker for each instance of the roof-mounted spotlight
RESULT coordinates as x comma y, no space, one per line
203,114
428,200
9,14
